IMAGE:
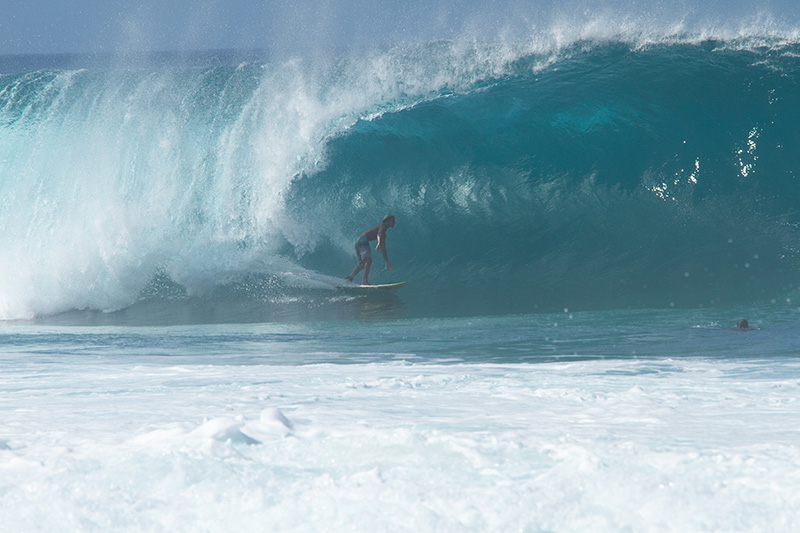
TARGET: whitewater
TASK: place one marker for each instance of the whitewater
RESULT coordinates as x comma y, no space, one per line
582,219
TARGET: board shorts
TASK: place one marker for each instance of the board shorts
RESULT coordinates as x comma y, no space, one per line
363,251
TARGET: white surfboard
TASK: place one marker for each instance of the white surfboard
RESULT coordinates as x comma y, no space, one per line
385,286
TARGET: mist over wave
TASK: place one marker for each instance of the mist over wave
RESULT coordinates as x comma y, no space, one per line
566,171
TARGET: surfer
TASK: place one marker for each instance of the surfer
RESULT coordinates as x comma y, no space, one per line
742,325
363,251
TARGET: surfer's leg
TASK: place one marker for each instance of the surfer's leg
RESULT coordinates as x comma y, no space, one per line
361,254
367,264
353,273
364,254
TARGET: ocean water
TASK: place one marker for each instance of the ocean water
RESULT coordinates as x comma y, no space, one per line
581,223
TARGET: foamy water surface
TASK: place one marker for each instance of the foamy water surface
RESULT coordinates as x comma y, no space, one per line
264,435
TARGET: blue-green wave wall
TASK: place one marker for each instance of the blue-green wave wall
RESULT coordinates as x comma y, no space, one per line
602,174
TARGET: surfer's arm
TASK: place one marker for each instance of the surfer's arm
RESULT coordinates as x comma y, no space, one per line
381,246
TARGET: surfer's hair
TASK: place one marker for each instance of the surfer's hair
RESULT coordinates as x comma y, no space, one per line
388,217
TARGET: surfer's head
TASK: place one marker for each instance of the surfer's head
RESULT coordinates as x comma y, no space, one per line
742,324
388,220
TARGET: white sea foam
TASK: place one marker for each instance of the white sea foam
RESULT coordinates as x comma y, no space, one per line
671,445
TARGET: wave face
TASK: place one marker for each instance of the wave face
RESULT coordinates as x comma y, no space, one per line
599,174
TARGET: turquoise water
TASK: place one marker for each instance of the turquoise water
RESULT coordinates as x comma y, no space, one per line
508,339
525,178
